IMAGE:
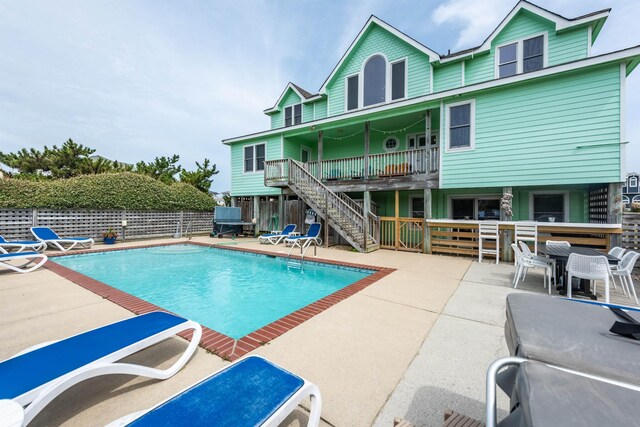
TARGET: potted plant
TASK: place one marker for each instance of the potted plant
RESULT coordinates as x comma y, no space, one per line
109,237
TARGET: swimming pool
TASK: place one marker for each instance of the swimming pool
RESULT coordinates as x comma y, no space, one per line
232,292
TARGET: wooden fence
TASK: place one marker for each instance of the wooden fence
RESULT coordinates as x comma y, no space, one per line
631,231
15,223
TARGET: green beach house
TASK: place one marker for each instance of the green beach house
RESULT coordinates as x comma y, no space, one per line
416,134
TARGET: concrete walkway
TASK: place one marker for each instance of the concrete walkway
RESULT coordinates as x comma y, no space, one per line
414,343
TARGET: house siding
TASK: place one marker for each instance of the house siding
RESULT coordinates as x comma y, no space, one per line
250,184
377,40
447,76
277,120
321,109
529,134
569,46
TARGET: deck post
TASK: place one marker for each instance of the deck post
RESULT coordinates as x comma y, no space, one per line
320,149
256,215
614,209
426,230
234,201
366,208
397,220
366,149
507,235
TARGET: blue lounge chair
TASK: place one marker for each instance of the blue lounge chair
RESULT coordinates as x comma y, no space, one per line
37,375
48,236
249,392
276,238
21,245
312,236
27,258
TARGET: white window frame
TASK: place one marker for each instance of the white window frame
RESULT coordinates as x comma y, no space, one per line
406,79
293,120
384,144
387,77
520,53
346,93
565,205
255,158
308,150
633,181
625,200
636,198
388,82
475,199
472,127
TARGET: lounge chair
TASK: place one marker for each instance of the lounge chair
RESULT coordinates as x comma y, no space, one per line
7,246
27,257
48,236
37,375
313,235
250,392
276,238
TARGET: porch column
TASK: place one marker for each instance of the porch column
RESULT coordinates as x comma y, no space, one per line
397,220
320,148
614,209
366,208
426,230
281,221
366,149
256,214
427,141
507,235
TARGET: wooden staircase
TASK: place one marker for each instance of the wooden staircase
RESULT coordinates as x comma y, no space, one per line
339,211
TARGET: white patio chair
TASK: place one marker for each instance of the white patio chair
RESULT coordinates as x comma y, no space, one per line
527,232
590,268
526,252
617,252
524,263
488,230
558,243
623,270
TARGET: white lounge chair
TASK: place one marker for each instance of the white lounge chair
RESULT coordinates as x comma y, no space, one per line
312,236
48,236
27,258
36,376
276,238
250,392
7,246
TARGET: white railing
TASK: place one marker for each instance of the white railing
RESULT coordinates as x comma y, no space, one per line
347,168
399,163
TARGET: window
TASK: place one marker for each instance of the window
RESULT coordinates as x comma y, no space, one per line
549,207
390,144
633,181
460,122
398,80
625,200
417,141
293,115
476,208
352,93
417,207
254,156
533,54
375,79
508,60
463,208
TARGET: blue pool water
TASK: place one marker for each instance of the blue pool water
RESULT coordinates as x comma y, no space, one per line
231,292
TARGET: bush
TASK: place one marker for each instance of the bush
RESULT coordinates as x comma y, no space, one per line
104,191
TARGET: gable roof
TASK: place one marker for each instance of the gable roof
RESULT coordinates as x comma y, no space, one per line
374,20
303,94
560,21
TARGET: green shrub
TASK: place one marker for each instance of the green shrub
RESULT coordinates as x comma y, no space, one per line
104,191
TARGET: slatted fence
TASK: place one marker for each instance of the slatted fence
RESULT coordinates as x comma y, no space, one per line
631,231
15,223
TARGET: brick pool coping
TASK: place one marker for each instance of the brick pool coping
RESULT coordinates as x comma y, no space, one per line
213,341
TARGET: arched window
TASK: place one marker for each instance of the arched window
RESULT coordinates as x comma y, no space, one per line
375,79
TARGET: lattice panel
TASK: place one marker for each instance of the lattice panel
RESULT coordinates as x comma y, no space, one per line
79,223
598,205
15,223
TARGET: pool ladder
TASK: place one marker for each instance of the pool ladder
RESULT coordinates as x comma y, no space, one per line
298,263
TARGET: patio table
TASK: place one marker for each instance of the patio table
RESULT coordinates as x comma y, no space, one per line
561,255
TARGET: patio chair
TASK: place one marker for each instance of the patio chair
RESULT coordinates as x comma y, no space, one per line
617,252
49,237
312,236
37,375
21,245
526,252
35,258
275,238
527,232
558,243
589,268
488,230
523,264
623,270
249,392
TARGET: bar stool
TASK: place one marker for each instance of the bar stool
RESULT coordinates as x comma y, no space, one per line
488,230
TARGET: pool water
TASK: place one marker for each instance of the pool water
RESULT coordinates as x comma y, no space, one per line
232,292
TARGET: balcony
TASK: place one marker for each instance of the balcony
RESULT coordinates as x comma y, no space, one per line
396,170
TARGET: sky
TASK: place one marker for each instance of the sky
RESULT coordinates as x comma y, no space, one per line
136,79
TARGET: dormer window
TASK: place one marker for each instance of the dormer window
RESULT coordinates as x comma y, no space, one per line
522,56
293,115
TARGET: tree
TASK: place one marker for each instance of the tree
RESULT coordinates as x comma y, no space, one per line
201,177
162,168
29,163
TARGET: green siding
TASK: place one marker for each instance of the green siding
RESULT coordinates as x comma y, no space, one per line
277,120
529,134
293,149
479,69
523,25
321,109
289,99
447,76
568,46
378,40
307,113
250,184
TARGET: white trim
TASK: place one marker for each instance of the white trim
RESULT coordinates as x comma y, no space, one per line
472,125
625,200
441,143
556,69
623,121
589,40
281,147
361,81
433,56
384,144
406,79
635,181
474,197
462,72
520,53
430,78
417,135
346,92
276,108
255,158
308,149
565,195
636,198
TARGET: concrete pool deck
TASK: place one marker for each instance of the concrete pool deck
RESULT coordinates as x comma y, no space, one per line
414,343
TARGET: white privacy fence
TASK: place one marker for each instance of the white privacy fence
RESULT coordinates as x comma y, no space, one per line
15,223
